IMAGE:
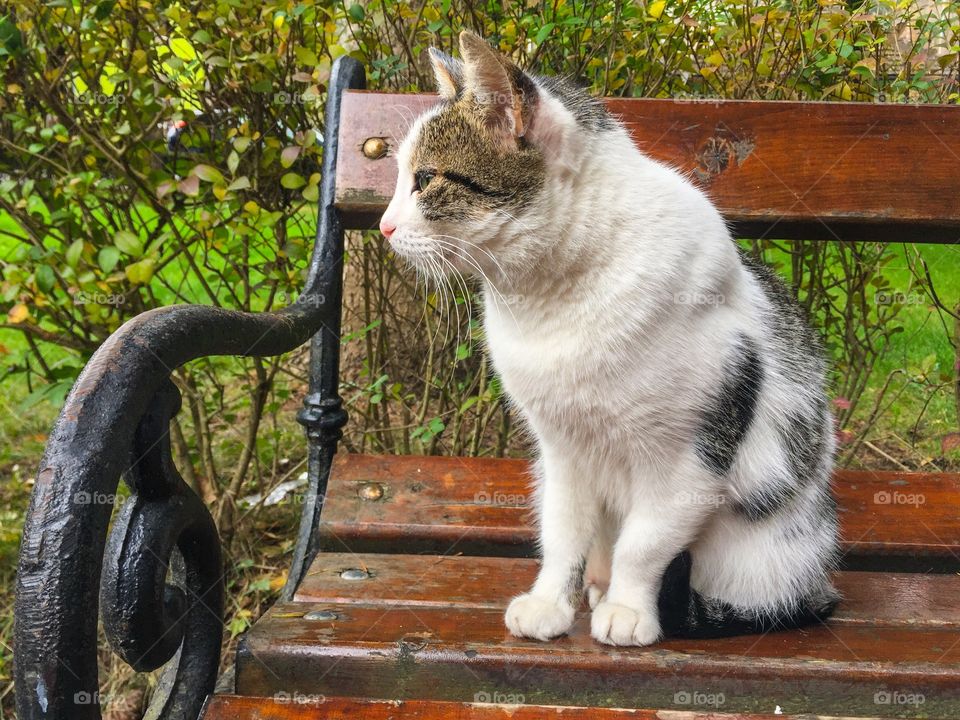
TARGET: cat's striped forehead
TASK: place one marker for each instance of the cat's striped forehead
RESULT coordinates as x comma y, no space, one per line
474,171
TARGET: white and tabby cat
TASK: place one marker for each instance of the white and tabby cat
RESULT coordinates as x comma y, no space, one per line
672,385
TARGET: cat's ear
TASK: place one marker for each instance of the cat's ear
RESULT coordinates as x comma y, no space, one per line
491,79
448,73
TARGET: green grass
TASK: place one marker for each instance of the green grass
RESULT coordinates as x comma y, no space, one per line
924,335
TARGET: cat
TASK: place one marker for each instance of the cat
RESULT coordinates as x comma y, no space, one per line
672,385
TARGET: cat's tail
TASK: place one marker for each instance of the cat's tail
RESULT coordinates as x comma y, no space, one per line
686,613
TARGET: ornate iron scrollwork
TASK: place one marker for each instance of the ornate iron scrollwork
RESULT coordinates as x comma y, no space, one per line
146,618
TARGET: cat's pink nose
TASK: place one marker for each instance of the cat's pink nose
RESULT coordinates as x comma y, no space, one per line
387,228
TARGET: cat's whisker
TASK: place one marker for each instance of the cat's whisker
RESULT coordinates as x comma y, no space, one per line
439,295
463,255
514,218
484,250
466,296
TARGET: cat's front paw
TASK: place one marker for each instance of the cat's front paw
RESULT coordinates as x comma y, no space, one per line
541,618
615,624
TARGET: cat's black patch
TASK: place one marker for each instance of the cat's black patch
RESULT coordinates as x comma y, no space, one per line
804,439
685,613
729,414
589,112
803,442
767,500
474,186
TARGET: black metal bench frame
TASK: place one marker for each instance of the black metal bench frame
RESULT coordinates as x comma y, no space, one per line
115,422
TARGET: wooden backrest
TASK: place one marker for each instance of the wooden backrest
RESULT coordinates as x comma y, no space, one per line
810,170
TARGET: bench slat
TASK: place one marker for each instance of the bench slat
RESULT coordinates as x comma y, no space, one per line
233,707
813,170
430,653
461,582
477,506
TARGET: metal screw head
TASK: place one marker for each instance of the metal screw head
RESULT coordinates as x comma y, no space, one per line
325,615
374,148
370,491
354,574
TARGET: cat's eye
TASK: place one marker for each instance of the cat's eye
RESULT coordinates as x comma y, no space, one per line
421,179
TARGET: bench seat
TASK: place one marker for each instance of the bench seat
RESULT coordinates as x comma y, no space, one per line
379,618
477,506
233,707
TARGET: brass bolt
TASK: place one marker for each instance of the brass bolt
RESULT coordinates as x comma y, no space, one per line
375,148
370,491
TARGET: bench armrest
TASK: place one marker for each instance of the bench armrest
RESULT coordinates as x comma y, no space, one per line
116,422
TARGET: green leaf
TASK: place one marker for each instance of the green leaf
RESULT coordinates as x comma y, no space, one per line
74,252
128,243
139,273
11,40
107,258
306,56
311,193
356,12
45,278
208,173
543,33
103,9
182,48
292,181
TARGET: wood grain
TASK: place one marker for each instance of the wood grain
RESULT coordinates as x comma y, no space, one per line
454,581
809,170
404,652
478,506
233,707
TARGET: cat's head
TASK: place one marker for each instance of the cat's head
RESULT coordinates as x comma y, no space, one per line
482,176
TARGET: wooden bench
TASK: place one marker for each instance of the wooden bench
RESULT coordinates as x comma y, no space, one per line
396,593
